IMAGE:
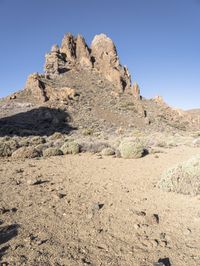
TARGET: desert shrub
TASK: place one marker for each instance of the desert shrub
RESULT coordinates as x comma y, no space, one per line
56,136
108,151
137,133
88,131
41,147
58,143
162,144
70,147
26,152
52,152
37,140
24,142
183,178
131,149
7,147
93,147
195,134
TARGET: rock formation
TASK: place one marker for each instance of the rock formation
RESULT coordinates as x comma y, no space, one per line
82,52
106,60
136,91
55,62
102,56
43,92
36,88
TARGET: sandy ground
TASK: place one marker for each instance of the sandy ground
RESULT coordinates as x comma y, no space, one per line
88,210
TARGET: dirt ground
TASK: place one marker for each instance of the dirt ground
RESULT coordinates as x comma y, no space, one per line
92,210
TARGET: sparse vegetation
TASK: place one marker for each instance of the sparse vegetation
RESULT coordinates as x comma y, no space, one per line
108,152
70,147
26,152
88,131
131,150
52,152
7,147
183,178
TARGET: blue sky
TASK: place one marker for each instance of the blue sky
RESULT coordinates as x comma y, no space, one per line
159,41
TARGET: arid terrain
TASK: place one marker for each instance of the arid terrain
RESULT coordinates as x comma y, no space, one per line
92,172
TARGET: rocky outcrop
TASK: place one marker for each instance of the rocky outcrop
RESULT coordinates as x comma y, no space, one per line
82,52
42,92
102,56
136,91
68,47
55,63
106,60
36,88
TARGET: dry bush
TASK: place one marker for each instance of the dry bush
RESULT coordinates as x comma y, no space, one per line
131,149
183,178
70,147
26,152
52,152
7,147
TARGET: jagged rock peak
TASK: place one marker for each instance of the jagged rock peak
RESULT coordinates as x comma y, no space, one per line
104,48
102,56
68,46
82,52
55,48
106,61
136,91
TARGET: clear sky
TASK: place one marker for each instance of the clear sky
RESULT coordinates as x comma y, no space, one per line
159,40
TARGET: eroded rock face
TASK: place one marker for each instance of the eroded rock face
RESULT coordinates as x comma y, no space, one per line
74,54
36,87
42,92
102,56
136,91
68,47
82,52
55,63
106,60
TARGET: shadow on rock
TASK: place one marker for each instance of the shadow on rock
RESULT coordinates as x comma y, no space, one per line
41,121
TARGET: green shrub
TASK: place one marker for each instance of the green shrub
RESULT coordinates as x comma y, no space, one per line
108,152
131,150
70,147
88,131
7,147
52,152
183,178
